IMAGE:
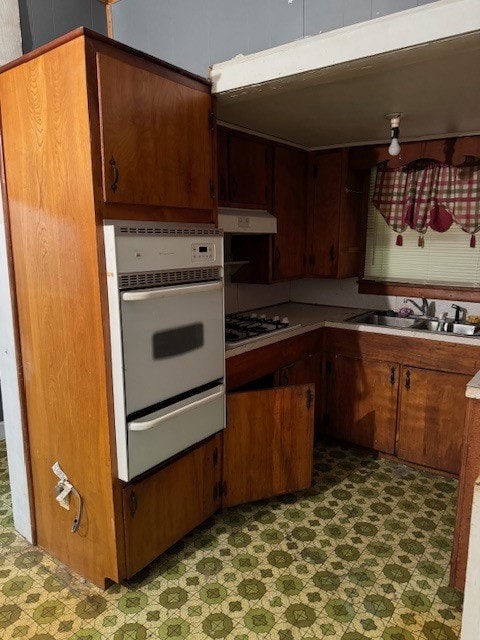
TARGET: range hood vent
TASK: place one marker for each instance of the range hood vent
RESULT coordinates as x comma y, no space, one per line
246,221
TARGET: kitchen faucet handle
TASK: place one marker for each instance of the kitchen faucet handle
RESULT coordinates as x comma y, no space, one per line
458,309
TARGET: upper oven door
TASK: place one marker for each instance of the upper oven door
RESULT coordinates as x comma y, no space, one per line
173,341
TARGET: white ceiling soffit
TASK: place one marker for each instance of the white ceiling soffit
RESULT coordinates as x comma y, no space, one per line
334,89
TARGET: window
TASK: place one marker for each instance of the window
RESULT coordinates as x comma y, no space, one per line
446,259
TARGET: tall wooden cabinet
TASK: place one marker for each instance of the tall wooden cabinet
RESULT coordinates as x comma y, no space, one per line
91,129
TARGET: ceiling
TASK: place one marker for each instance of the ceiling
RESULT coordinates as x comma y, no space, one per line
436,85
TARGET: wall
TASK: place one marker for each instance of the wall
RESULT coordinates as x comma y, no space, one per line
44,20
194,34
240,297
344,293
10,47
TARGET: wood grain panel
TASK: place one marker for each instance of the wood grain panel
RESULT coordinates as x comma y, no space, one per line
257,363
290,206
249,171
268,443
156,138
309,370
431,418
53,232
162,508
362,400
327,198
428,354
469,472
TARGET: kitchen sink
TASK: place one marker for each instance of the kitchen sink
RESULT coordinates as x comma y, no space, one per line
416,323
383,320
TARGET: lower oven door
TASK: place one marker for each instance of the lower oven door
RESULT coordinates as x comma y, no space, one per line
156,437
173,341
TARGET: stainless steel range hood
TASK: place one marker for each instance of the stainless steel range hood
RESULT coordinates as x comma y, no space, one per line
246,221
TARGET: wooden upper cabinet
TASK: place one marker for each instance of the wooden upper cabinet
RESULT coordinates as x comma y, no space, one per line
432,418
244,170
290,208
362,398
156,135
336,220
268,443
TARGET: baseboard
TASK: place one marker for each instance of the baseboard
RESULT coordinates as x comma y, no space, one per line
2,431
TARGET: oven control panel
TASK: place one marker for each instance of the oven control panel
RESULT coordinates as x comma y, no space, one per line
203,252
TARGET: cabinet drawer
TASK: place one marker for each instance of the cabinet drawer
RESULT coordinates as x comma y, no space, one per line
160,509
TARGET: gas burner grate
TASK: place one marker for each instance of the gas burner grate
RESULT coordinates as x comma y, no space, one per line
243,327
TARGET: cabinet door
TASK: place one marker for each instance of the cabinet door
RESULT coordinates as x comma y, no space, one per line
306,371
327,197
362,400
290,198
160,509
268,443
249,171
432,418
156,137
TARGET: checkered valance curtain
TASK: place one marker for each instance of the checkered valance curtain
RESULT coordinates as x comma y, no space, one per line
426,194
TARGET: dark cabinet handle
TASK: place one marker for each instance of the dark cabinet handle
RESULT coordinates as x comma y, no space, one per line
114,184
234,186
277,256
392,376
407,381
133,503
332,253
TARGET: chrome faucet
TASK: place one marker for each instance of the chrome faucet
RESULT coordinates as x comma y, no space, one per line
423,309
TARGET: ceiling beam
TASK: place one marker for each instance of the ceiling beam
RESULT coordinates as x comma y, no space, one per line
407,29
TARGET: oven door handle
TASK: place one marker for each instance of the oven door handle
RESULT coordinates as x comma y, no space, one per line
151,424
167,292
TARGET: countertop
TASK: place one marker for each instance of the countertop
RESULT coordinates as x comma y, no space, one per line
309,317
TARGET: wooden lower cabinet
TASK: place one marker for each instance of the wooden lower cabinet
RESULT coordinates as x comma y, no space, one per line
432,418
362,398
268,443
160,509
309,370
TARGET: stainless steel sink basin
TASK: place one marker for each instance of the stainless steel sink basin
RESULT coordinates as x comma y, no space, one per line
388,319
463,329
384,320
430,325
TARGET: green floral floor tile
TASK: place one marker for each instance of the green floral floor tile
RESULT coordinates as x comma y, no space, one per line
363,554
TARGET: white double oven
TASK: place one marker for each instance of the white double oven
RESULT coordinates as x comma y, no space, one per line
165,294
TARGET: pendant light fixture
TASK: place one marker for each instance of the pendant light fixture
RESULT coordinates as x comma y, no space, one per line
394,148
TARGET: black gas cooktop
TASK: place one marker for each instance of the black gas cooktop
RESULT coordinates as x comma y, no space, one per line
243,327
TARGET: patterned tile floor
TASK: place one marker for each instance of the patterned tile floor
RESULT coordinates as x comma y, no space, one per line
363,554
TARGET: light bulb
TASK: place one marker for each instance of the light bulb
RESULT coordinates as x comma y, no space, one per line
394,148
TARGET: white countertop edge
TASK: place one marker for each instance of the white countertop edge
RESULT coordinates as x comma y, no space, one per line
295,331
473,387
